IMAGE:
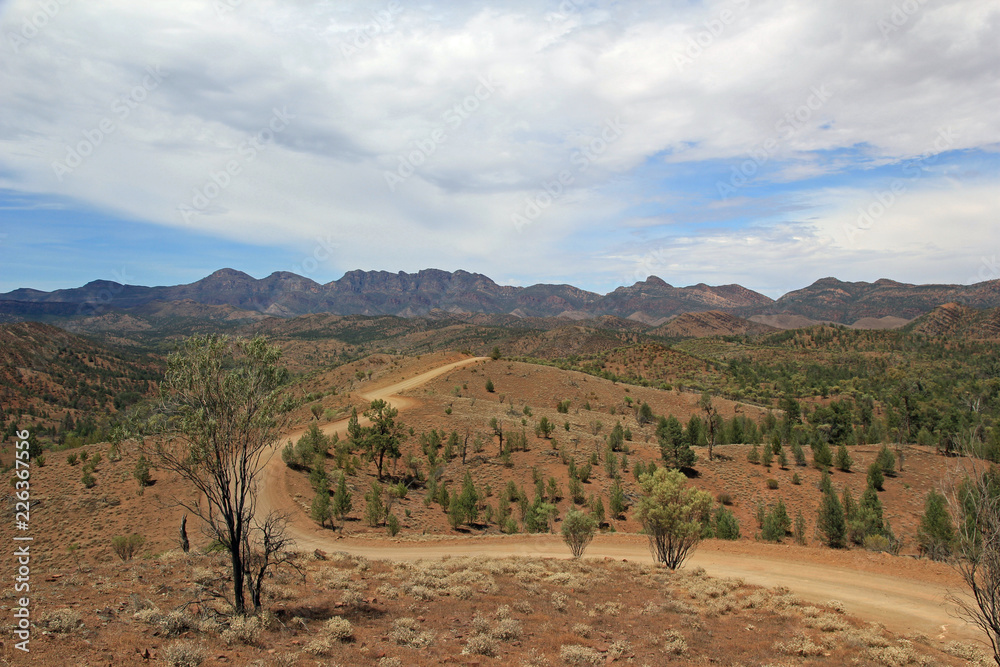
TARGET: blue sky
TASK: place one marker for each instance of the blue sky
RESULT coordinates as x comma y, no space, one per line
763,143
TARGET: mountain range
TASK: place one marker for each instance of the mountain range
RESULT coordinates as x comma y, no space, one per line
653,302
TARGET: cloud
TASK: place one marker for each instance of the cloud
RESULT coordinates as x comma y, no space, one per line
478,109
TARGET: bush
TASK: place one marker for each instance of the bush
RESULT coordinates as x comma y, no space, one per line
71,459
393,525
183,654
672,515
489,386
88,479
777,523
727,526
126,547
796,480
141,472
338,628
724,498
772,484
577,531
563,407
831,522
822,456
876,478
844,460
936,534
887,460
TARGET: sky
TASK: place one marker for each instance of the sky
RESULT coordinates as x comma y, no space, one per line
765,143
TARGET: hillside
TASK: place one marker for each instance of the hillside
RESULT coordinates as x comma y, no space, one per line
953,320
709,323
65,384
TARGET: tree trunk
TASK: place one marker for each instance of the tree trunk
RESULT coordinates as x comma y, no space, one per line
185,545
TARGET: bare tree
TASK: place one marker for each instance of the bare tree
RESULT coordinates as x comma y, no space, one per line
222,407
974,500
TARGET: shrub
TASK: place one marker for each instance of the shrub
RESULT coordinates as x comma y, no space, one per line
141,472
126,547
831,522
727,526
776,524
800,528
796,480
489,386
563,407
724,498
184,654
772,484
876,478
244,630
339,629
574,654
577,531
71,458
406,632
753,456
393,525
375,507
480,644
843,459
887,460
88,479
936,534
61,620
672,515
822,456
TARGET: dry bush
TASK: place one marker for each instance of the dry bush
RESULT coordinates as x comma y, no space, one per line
574,654
176,622
461,592
674,643
827,623
607,609
338,628
581,629
388,661
183,654
244,630
619,649
559,602
507,630
421,593
407,632
480,644
837,606
388,591
535,659
799,645
480,624
523,607
896,656
61,620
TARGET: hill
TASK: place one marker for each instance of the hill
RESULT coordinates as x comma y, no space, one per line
709,323
953,320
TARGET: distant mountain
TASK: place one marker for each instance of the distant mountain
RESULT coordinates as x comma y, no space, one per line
428,293
838,301
385,293
954,320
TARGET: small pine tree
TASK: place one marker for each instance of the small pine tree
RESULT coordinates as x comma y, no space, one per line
616,501
798,454
88,479
753,456
597,511
800,528
936,533
822,456
887,460
321,510
341,506
767,457
489,386
392,525
777,523
375,507
831,522
875,476
843,459
727,526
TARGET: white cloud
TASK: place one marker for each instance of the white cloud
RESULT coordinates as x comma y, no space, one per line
369,84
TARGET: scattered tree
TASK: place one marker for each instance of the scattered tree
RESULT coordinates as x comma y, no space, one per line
578,530
672,515
936,533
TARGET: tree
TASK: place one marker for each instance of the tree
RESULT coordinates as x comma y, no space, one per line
577,531
727,526
223,405
676,451
822,456
936,533
382,438
705,403
975,502
489,386
831,522
843,459
875,477
672,515
777,523
495,354
544,428
616,499
341,506
321,510
141,472
497,426
375,506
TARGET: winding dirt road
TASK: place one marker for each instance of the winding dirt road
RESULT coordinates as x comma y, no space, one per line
904,599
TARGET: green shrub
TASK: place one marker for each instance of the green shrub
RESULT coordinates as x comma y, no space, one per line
126,547
727,526
489,386
876,478
772,484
